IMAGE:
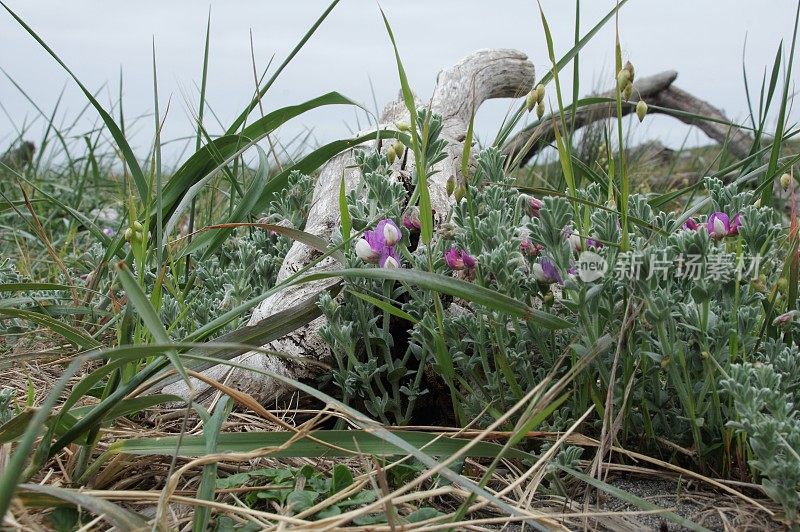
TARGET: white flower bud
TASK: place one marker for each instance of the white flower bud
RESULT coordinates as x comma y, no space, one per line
390,234
574,240
390,263
538,273
786,179
365,252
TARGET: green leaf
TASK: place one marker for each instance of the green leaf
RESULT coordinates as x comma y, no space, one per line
149,317
18,287
344,215
423,514
72,334
119,517
213,427
341,478
213,240
202,164
9,477
385,306
298,501
425,210
353,442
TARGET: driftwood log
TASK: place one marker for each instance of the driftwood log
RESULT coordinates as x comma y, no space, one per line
660,95
18,158
459,91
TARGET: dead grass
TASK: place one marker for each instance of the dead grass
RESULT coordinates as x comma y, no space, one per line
138,483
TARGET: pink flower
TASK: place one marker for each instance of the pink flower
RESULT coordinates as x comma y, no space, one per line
736,223
378,245
546,272
592,243
411,222
718,225
457,259
536,205
690,225
529,248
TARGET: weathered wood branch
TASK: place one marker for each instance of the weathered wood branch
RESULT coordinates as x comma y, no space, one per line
20,157
661,96
459,91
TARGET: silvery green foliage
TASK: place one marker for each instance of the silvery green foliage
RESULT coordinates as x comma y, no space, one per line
378,195
727,198
373,369
766,400
498,357
292,204
237,272
7,410
240,269
549,230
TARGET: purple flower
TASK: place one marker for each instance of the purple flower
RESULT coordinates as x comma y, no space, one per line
718,225
108,231
469,260
529,248
736,223
536,205
546,272
574,239
378,245
592,243
690,225
389,259
411,222
457,259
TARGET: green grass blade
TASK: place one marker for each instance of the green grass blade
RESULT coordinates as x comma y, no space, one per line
117,516
354,442
344,215
777,145
385,306
9,478
253,104
212,428
72,334
452,286
149,317
119,138
213,240
506,129
425,212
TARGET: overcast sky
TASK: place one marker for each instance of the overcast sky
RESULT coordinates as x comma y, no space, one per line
702,39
